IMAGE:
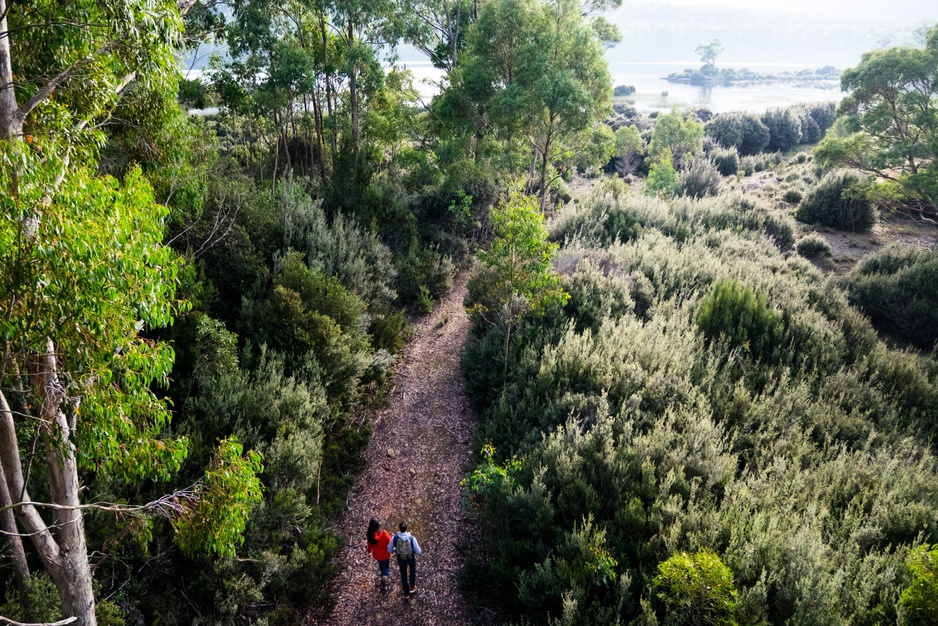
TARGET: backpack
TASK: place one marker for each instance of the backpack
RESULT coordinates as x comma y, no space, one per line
404,548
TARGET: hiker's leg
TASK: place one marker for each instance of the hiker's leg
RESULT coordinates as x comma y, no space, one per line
413,572
404,584
384,567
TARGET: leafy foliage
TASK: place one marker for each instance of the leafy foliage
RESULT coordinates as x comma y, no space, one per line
701,391
662,180
700,178
920,598
895,288
726,160
230,489
743,131
742,318
697,588
886,125
813,246
838,200
518,261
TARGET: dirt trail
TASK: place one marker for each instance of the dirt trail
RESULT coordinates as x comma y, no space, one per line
418,453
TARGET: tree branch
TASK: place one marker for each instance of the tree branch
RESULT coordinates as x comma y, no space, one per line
5,621
56,82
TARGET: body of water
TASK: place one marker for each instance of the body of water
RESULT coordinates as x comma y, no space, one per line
647,78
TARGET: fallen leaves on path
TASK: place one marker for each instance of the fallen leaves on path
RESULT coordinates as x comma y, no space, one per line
419,451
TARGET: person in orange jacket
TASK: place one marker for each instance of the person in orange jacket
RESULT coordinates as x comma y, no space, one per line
378,541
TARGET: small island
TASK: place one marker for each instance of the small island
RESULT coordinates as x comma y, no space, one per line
709,74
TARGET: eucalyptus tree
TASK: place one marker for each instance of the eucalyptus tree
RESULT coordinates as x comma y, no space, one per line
708,53
533,71
437,28
888,124
82,275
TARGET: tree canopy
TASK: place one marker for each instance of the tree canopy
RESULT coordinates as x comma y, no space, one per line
888,124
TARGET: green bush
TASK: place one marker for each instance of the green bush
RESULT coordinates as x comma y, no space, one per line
813,246
662,179
759,162
784,129
839,200
920,598
610,211
792,196
425,301
732,312
423,268
338,247
700,178
896,288
743,131
697,589
40,604
726,160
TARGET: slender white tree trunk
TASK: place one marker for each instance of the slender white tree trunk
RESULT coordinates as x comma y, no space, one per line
70,570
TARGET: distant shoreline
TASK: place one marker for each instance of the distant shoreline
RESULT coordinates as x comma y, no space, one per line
709,75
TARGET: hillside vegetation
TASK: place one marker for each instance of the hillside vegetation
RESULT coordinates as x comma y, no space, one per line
702,400
701,391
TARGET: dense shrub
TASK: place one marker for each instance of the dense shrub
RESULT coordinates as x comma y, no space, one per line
735,314
759,162
701,392
743,131
810,131
610,212
697,589
700,178
920,598
813,246
662,179
792,196
839,200
897,288
726,160
823,113
339,247
784,129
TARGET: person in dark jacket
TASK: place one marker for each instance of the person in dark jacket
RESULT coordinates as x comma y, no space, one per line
378,541
405,547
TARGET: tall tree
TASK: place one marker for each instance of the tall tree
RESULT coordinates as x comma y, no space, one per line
437,27
82,273
888,124
532,70
708,53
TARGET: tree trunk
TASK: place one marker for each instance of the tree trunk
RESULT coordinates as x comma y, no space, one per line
10,125
8,522
14,541
544,163
353,90
454,35
70,569
320,140
325,60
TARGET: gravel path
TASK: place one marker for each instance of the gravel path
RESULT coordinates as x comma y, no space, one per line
418,453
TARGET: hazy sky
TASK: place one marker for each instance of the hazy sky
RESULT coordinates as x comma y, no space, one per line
814,32
902,9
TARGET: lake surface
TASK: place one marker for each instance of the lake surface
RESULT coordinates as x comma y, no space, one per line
647,78
649,83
